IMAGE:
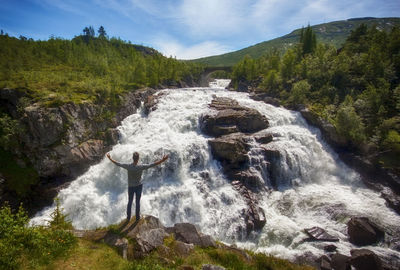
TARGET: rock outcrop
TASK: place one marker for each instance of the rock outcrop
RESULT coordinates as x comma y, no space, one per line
60,143
237,129
137,239
229,117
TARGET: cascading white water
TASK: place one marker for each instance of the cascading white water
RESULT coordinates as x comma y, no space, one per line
219,83
314,187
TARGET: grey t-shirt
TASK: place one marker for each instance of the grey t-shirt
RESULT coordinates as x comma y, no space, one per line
135,172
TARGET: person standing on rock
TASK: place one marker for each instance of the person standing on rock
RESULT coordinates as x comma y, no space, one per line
135,180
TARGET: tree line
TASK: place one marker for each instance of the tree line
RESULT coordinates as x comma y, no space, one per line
86,68
356,88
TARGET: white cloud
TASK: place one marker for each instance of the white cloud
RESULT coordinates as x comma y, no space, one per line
171,47
212,18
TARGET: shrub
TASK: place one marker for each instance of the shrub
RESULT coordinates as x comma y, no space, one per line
21,244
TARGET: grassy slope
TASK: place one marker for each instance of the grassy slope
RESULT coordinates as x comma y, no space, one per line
334,33
92,253
99,256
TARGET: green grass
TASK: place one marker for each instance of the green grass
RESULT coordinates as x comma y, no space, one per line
90,255
333,33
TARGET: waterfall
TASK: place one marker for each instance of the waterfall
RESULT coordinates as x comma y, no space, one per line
314,188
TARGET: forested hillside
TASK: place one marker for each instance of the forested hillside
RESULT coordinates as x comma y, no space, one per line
356,88
334,33
85,68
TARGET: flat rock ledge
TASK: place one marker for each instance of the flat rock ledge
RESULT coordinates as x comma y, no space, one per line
137,239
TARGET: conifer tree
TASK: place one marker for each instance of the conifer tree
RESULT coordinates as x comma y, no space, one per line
308,40
102,32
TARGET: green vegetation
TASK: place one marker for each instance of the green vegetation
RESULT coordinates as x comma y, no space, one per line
84,69
55,247
24,247
333,33
356,88
19,178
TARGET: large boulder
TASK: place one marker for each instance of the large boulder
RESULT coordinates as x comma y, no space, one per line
145,224
362,231
189,234
231,149
150,239
364,259
324,263
229,117
340,262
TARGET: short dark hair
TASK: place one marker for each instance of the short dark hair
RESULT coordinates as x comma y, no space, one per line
135,156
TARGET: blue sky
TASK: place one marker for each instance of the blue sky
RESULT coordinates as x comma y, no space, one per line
186,29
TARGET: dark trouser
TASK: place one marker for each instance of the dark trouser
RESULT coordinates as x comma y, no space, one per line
138,191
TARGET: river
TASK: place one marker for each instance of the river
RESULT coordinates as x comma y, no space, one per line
314,187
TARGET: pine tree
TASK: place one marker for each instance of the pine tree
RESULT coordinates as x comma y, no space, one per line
89,31
308,40
102,32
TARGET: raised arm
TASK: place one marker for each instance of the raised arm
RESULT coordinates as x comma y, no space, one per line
112,160
161,160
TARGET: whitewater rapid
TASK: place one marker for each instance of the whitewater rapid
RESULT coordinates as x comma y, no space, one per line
314,187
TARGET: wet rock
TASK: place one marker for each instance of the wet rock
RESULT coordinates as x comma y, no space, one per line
324,263
150,103
392,199
229,121
340,262
254,215
254,218
230,148
330,248
249,178
230,117
319,234
362,231
263,137
364,259
271,154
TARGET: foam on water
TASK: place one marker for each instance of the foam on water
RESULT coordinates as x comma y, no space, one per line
314,187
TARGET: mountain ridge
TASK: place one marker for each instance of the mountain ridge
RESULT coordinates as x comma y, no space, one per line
334,33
